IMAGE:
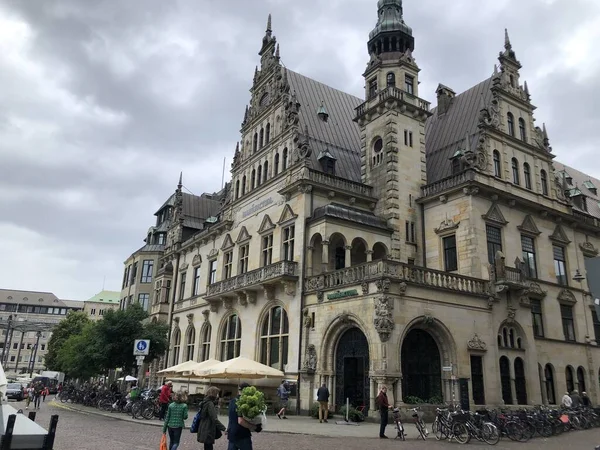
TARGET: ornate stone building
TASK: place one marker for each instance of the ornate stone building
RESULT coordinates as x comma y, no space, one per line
437,250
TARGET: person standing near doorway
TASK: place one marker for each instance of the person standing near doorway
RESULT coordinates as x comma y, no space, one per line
384,406
164,398
323,399
283,392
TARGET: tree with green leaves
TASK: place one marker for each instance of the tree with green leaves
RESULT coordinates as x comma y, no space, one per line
72,325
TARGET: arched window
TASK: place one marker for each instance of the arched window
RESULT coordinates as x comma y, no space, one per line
231,338
267,133
274,339
379,251
522,132
237,189
520,383
190,340
205,350
391,79
511,336
527,174
511,124
569,379
505,337
265,171
515,171
244,185
259,175
581,379
276,164
261,138
253,179
284,159
505,380
544,179
176,346
549,378
497,168
255,142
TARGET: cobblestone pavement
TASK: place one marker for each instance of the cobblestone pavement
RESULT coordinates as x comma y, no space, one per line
84,430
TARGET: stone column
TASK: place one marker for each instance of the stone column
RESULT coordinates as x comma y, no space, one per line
372,394
369,255
309,260
348,258
325,257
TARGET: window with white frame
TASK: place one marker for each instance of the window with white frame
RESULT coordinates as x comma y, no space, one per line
231,338
274,339
243,266
288,242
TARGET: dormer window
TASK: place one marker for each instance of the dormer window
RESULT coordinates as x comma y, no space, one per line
590,187
456,162
327,161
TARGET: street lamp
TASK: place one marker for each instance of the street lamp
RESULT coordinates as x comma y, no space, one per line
578,277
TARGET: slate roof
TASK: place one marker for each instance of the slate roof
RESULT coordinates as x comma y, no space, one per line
196,209
340,134
35,298
579,182
337,211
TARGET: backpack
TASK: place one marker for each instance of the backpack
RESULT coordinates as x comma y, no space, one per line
196,422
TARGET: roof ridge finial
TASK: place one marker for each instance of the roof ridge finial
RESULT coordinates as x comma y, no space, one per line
269,24
277,51
526,88
507,44
180,184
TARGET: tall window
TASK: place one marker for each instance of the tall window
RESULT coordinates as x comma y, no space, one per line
372,88
494,242
522,133
505,380
569,379
205,342
243,266
477,380
182,285
560,266
566,313
196,281
212,272
190,343
147,268
549,378
581,379
284,159
274,339
536,318
261,138
255,142
231,338
125,277
511,124
168,292
450,256
253,179
244,184
527,175
520,383
596,322
176,346
288,243
267,133
259,175
497,168
391,79
528,249
409,84
144,301
515,171
267,250
544,180
237,189
133,273
227,264
276,164
408,138
265,171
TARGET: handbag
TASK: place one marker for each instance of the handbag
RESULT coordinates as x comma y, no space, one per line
163,442
196,422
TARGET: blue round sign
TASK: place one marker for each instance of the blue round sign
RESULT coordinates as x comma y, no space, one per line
141,346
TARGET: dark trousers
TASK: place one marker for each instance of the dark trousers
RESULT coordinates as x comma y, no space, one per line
163,411
384,422
36,401
208,446
241,444
174,437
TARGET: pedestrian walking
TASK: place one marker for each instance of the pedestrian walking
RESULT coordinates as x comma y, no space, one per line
177,413
323,399
586,402
239,430
283,392
382,403
575,399
37,395
30,393
45,392
566,401
210,428
165,398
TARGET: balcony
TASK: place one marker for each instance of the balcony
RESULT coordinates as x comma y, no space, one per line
339,183
244,286
396,271
393,93
447,183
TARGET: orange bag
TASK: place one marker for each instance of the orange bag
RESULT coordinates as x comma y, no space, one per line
163,442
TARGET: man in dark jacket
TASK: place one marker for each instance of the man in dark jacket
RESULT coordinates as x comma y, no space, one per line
585,400
575,399
323,399
382,403
239,430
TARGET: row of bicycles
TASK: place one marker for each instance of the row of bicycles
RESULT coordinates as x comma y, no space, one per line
146,406
490,426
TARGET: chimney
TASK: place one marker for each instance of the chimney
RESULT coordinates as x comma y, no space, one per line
445,95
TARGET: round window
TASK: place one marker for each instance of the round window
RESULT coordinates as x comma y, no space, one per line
378,146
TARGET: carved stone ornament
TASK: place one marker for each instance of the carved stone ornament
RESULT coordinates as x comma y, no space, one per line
214,307
205,313
228,304
315,283
190,318
197,260
176,320
289,287
588,249
184,267
495,215
320,296
566,296
269,291
307,319
535,290
384,320
443,199
213,253
512,312
250,297
475,343
310,363
242,299
365,287
469,190
383,285
528,226
402,288
559,235
447,225
345,318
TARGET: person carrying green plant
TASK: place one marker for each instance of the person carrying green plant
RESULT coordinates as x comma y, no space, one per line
246,406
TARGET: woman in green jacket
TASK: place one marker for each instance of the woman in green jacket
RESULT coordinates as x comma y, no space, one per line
210,425
174,420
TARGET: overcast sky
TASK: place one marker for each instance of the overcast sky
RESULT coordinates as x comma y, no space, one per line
102,103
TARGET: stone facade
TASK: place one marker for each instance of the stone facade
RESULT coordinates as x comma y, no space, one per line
385,242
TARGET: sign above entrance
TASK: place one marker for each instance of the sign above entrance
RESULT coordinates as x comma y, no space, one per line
447,369
342,294
255,207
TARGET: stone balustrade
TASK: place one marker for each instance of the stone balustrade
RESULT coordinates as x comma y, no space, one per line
340,183
447,183
394,93
396,271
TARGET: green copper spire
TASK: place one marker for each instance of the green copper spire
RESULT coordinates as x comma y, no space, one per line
391,34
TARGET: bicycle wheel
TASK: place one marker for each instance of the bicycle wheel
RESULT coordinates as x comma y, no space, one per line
490,433
460,432
421,429
439,430
148,412
513,430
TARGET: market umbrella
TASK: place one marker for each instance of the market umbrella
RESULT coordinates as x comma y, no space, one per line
178,368
241,367
127,378
198,369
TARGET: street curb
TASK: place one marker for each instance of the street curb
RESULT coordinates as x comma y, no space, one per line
110,416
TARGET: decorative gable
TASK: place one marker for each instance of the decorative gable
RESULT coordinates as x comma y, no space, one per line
528,226
566,297
197,260
447,226
266,225
560,236
287,215
588,249
495,215
243,236
227,243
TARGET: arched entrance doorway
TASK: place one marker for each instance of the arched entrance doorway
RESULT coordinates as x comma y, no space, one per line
421,368
352,369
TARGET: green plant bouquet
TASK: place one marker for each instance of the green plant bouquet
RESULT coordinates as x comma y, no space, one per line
251,405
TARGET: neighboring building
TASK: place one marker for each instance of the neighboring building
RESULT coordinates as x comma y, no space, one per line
26,313
436,250
96,306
